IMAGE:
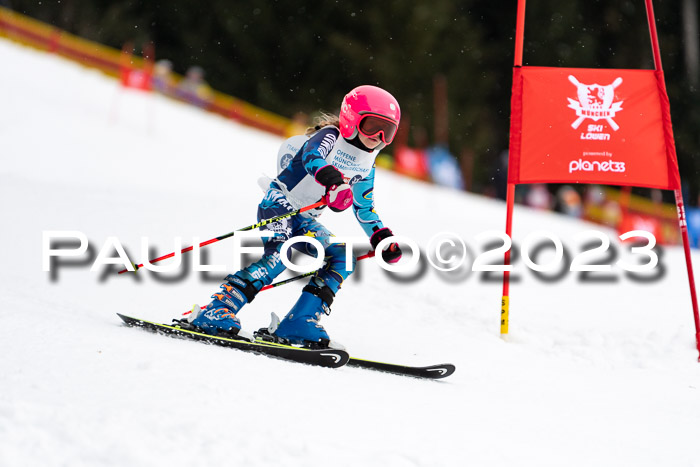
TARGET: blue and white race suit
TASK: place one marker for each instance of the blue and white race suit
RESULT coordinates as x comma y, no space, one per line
296,187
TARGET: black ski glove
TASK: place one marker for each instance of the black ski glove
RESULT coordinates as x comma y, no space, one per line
392,253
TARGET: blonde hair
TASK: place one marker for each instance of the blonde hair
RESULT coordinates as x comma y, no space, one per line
322,120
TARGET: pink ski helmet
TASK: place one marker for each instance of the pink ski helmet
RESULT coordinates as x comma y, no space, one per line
371,111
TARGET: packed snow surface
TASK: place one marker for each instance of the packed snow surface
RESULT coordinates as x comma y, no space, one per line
592,372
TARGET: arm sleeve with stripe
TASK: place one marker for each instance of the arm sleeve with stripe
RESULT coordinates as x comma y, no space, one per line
363,204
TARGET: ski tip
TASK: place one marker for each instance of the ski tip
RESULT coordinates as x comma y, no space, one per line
127,319
428,372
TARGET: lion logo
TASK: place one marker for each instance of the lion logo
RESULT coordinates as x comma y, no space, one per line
595,102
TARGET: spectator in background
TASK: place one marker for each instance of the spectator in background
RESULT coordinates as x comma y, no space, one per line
598,208
194,89
444,169
466,163
500,176
612,213
568,201
538,197
162,80
693,220
594,195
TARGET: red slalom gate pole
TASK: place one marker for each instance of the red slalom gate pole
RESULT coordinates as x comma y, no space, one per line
668,133
505,299
230,234
510,194
689,266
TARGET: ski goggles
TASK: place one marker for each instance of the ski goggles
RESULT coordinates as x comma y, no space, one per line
371,125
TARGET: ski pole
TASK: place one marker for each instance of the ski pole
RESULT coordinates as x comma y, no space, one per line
310,273
369,254
230,234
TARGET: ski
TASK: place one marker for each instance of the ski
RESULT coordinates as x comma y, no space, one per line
331,358
430,372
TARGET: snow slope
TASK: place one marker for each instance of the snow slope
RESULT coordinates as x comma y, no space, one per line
591,373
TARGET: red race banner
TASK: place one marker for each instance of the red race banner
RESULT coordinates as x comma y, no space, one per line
579,125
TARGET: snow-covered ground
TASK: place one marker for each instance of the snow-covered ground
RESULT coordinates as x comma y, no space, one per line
591,373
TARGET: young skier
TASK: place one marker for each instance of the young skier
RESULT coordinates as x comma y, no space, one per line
335,164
